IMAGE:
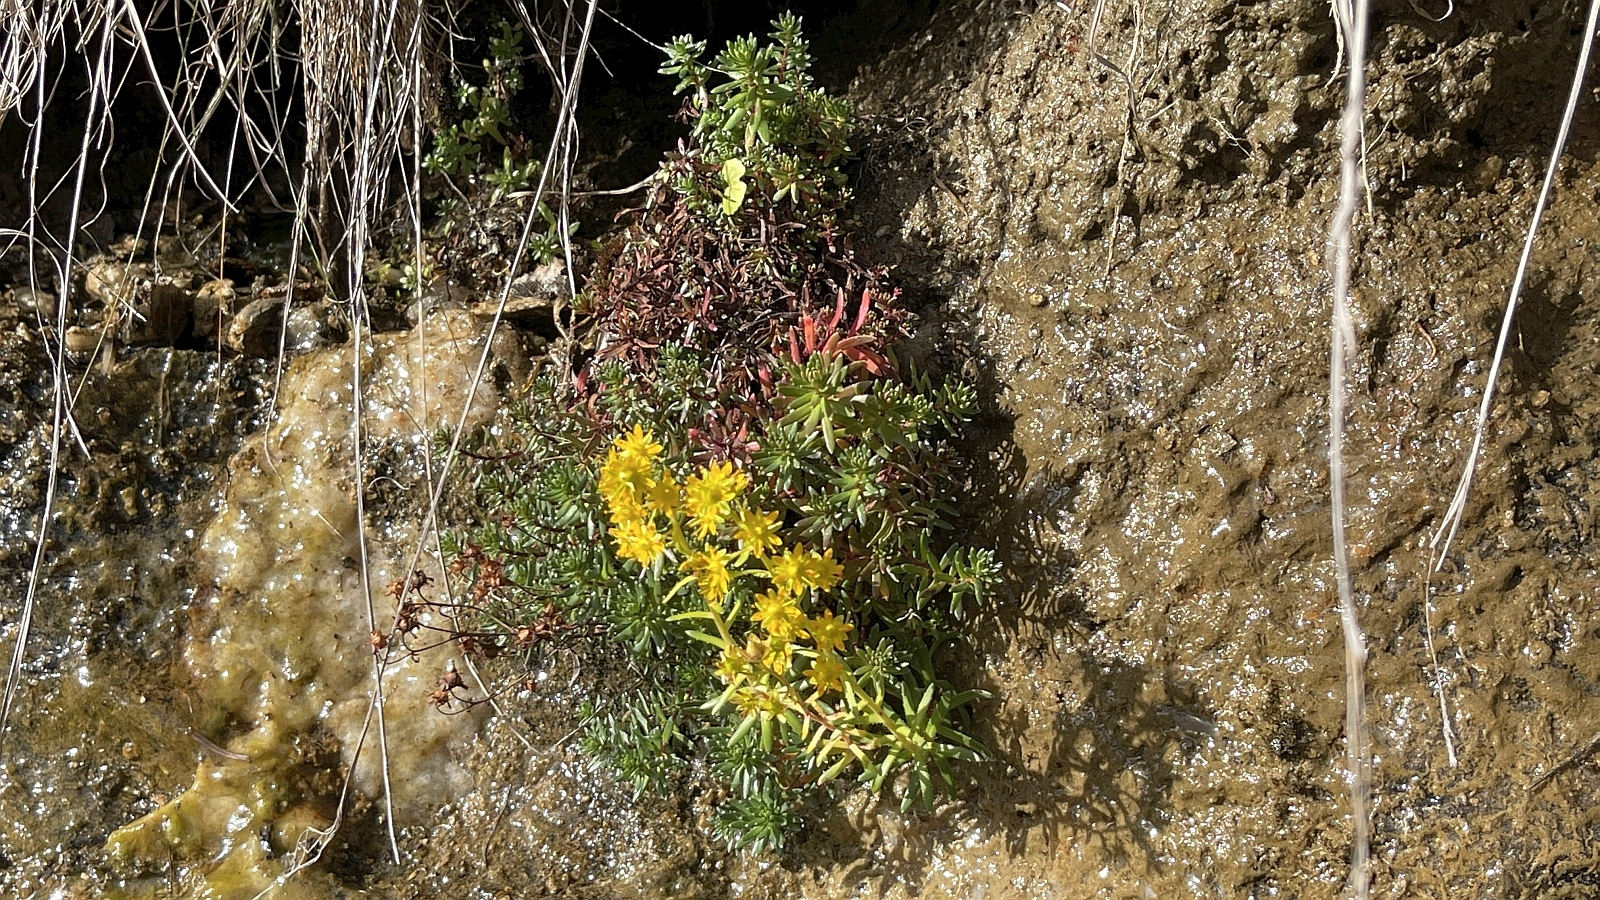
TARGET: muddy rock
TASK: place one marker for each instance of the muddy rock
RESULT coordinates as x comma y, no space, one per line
254,330
260,328
129,246
313,325
109,281
83,343
213,303
33,302
533,298
1155,447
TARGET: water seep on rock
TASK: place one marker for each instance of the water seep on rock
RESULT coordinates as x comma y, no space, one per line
279,653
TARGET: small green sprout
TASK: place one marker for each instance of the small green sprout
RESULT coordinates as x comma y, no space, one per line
756,103
482,145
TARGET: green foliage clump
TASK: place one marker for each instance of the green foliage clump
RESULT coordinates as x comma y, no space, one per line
459,149
740,235
483,147
757,115
777,608
739,505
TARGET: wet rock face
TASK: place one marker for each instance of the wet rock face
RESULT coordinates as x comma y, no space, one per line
1131,251
199,670
97,729
278,646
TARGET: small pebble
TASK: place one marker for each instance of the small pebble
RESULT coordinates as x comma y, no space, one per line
105,283
30,300
129,245
80,341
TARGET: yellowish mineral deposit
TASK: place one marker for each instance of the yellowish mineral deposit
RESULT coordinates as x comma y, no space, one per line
279,654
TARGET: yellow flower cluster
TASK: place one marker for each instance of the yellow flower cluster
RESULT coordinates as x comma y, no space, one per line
648,510
795,570
708,495
631,491
787,626
709,566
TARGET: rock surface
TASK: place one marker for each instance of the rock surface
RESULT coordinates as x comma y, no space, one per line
278,651
1122,239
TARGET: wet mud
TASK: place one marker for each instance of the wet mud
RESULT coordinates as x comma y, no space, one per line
100,731
1123,241
1131,252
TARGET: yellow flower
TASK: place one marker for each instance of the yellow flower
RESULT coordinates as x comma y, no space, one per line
826,672
625,508
827,632
710,570
755,647
779,655
774,656
708,495
733,665
623,482
639,445
663,496
639,541
785,569
756,531
747,700
758,700
795,570
821,572
623,472
778,613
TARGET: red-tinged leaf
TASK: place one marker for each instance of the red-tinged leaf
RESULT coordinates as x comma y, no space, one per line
861,316
838,311
875,363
